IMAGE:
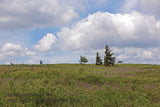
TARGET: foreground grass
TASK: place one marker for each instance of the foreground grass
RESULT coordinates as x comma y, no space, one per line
125,85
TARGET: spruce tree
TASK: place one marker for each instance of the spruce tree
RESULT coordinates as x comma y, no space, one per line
98,59
41,62
108,59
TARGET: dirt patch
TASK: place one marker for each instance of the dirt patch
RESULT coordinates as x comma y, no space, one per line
127,69
7,79
88,86
127,75
3,71
154,86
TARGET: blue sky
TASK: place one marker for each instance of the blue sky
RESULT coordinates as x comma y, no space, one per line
59,31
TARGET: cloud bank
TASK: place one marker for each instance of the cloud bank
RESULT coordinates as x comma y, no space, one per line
120,30
18,14
9,52
134,36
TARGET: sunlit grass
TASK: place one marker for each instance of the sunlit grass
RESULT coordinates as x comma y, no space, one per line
136,85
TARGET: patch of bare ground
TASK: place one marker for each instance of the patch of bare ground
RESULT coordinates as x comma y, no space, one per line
127,75
7,79
154,86
108,75
21,67
2,71
87,86
95,72
115,86
127,69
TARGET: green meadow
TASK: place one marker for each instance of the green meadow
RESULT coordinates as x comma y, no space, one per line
75,85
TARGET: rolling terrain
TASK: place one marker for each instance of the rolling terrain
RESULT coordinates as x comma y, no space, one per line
123,85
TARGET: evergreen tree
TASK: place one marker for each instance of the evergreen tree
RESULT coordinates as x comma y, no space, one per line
98,59
83,60
41,62
108,59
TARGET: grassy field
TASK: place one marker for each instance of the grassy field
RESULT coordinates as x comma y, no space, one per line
124,85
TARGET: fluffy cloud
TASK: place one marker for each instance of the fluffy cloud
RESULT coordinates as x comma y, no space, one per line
137,55
127,55
133,36
11,47
122,30
147,55
18,14
46,43
28,14
14,52
29,53
129,39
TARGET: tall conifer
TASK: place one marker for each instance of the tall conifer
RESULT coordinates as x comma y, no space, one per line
108,59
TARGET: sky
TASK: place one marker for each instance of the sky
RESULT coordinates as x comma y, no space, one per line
59,31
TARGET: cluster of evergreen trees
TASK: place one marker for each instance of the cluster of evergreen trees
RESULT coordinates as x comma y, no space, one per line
108,59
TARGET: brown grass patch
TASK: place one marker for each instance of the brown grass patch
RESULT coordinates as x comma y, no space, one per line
87,86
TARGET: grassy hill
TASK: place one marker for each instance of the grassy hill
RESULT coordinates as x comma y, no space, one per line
124,85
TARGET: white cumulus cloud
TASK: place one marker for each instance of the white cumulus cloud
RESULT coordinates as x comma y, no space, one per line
11,47
123,30
147,55
138,55
46,43
14,52
27,14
